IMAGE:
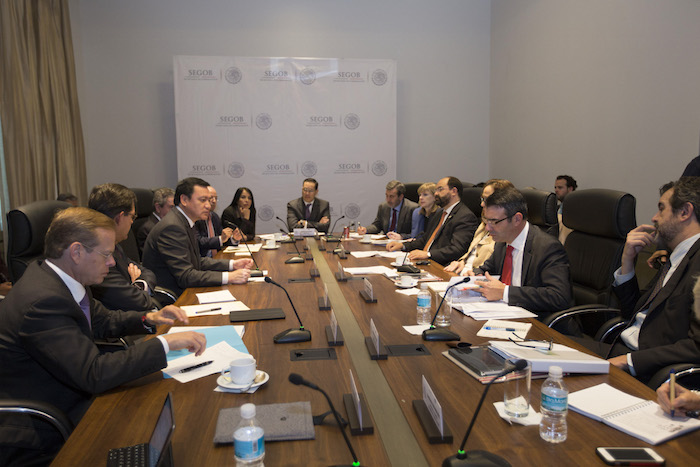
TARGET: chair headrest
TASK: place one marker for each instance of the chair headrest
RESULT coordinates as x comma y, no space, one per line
541,206
27,226
599,211
144,201
471,197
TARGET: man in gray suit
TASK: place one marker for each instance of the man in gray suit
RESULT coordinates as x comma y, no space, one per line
172,251
309,211
394,215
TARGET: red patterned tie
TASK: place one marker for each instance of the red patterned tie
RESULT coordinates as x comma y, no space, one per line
392,227
507,273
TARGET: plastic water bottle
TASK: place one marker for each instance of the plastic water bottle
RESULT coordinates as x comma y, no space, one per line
424,308
249,439
554,406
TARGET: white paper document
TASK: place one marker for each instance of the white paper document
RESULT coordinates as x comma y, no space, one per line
411,291
417,329
391,254
215,297
254,248
368,270
500,329
363,254
219,308
533,417
240,329
221,355
482,311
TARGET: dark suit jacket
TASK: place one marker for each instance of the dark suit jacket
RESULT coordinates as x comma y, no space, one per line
145,229
47,351
246,226
670,332
383,220
545,279
320,208
206,242
116,291
452,239
172,253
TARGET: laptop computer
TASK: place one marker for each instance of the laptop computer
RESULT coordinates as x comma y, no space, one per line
149,454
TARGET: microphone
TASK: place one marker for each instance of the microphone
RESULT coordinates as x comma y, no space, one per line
330,237
258,272
478,457
290,335
295,259
285,231
435,334
297,379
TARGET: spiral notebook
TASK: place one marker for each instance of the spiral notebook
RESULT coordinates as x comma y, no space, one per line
641,418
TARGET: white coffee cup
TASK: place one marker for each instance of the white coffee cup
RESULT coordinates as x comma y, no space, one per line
406,280
241,370
367,238
278,235
270,243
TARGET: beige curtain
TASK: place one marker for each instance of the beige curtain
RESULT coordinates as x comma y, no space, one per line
42,134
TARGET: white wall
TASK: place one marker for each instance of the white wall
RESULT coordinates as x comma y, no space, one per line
607,91
124,55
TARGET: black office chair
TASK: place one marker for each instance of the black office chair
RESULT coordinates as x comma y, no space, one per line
600,220
412,191
687,375
144,208
471,197
26,229
541,208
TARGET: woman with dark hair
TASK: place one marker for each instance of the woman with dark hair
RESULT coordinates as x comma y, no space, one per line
242,213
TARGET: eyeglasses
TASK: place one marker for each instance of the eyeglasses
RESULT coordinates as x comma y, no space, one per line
494,221
101,253
545,346
308,190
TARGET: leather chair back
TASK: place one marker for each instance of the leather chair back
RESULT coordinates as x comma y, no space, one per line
541,207
471,197
412,191
26,228
144,208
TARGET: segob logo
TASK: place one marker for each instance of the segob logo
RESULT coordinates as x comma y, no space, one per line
309,169
235,170
203,169
379,77
352,211
198,74
349,77
379,168
307,76
265,212
231,120
263,121
352,121
233,75
321,121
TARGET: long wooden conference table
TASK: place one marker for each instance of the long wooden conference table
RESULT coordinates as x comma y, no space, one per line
126,415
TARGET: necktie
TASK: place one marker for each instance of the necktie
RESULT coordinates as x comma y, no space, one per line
432,237
392,227
507,272
307,215
85,306
659,284
210,229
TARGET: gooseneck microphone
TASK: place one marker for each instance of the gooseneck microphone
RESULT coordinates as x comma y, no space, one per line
330,237
258,272
297,379
478,457
295,259
290,335
435,334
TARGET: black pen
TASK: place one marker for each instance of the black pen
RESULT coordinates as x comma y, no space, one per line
207,311
197,366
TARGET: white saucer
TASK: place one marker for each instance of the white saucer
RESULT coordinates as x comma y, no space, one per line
401,286
397,264
221,381
366,241
265,247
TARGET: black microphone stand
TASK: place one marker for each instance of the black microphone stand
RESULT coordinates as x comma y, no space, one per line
291,238
435,334
330,237
290,335
294,259
258,272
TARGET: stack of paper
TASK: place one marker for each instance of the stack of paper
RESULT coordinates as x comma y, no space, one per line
221,302
254,248
537,353
500,329
483,310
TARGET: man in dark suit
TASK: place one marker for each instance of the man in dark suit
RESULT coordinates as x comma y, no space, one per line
533,265
449,231
394,215
47,326
128,285
309,211
211,235
162,204
662,329
172,252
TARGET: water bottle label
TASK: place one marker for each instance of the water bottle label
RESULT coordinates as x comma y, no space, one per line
554,404
424,301
249,449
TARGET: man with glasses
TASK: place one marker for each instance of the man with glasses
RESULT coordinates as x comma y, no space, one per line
172,252
309,211
449,231
48,323
533,266
128,285
394,216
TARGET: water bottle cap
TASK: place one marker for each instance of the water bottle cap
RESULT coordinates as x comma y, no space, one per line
555,371
423,285
248,411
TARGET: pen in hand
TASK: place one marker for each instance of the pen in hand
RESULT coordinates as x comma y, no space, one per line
185,370
207,311
672,391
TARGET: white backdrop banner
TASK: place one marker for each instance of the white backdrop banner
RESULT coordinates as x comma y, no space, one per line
269,123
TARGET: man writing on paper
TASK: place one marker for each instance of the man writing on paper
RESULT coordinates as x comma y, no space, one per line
663,328
48,323
172,251
449,231
533,266
394,216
